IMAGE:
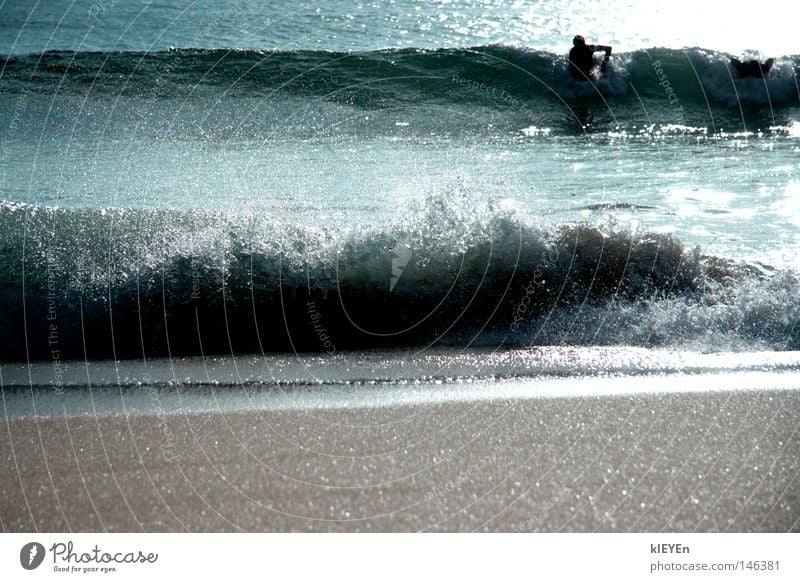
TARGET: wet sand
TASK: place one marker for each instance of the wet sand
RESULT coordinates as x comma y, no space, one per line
726,460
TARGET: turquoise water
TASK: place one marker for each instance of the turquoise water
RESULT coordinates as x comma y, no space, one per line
177,178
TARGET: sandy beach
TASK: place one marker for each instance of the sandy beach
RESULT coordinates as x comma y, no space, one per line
705,455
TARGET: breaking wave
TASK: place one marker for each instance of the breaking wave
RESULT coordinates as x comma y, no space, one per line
102,283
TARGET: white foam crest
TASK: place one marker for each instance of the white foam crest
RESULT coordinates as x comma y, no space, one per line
722,83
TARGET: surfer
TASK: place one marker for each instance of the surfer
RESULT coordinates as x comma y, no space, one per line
581,59
752,68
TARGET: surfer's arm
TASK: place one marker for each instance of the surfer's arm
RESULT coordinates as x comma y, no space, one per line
606,49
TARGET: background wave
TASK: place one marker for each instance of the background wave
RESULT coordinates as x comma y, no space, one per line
447,91
387,77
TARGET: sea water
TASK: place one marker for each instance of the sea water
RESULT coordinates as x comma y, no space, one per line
219,178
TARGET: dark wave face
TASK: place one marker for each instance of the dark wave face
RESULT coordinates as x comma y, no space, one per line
128,283
691,87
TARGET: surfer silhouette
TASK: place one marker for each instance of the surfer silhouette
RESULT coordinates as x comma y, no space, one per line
752,68
581,59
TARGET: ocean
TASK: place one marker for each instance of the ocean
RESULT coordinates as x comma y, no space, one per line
321,198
